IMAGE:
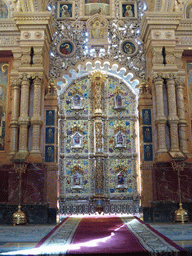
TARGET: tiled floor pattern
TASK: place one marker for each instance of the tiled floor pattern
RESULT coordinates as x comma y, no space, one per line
26,237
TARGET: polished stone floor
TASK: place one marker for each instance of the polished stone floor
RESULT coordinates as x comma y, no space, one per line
14,238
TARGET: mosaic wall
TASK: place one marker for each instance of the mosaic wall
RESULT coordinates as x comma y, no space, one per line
77,161
3,99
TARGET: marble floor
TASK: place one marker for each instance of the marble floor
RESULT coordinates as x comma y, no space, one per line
14,238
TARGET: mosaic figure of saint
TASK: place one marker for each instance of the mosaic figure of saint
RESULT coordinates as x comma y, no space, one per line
147,134
97,30
128,12
148,152
65,12
50,154
146,117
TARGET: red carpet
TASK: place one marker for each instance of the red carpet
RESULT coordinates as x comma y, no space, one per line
104,235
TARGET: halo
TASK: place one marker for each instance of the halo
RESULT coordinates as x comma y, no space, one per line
4,67
65,6
128,6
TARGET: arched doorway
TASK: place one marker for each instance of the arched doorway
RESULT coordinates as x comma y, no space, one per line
98,145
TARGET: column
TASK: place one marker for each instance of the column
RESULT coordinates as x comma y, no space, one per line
181,115
160,117
24,118
172,118
36,121
15,115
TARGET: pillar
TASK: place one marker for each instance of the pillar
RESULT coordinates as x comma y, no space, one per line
172,118
181,116
160,117
36,121
24,118
15,115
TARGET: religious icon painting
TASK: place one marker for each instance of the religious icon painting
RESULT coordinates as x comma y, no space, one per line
129,48
77,140
66,48
120,140
77,102
148,153
77,181
50,135
50,117
49,154
147,134
65,10
146,116
119,102
121,180
128,10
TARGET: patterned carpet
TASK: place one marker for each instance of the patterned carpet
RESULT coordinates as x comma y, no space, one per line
20,240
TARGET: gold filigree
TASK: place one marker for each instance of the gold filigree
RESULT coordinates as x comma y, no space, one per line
119,128
77,168
76,91
76,129
98,132
120,168
118,91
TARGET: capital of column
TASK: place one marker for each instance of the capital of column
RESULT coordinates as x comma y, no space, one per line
23,120
182,122
14,124
35,121
161,120
37,79
180,82
24,78
16,83
173,119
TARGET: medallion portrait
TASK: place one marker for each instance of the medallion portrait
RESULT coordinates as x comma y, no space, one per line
128,48
66,48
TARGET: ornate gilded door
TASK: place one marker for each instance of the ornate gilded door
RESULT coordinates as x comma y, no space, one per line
98,158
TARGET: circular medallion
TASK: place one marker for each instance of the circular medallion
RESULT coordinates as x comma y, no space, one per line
129,48
66,48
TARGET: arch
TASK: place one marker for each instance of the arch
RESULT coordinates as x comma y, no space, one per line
4,9
188,9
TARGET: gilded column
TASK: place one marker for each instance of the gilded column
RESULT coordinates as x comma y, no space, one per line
173,118
160,117
181,115
24,118
15,115
36,121
97,80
